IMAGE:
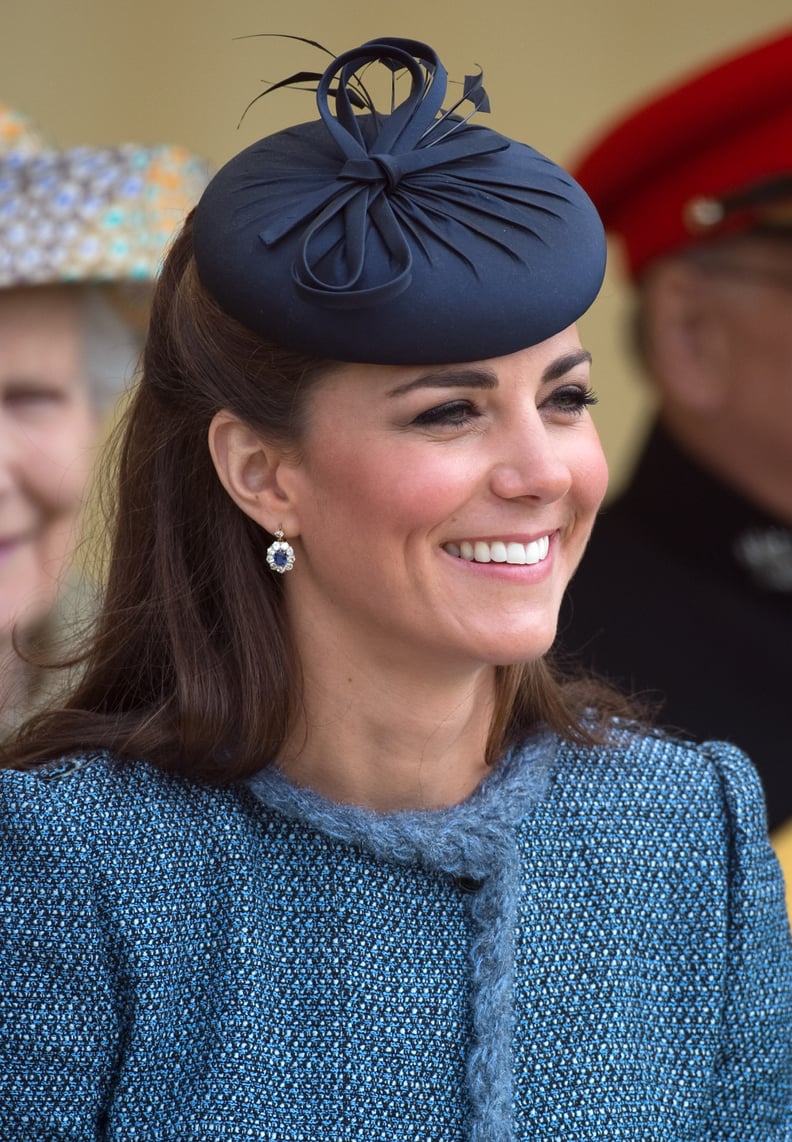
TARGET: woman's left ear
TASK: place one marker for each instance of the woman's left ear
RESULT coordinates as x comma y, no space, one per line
251,471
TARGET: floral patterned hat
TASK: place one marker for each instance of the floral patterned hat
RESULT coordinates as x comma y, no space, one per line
90,214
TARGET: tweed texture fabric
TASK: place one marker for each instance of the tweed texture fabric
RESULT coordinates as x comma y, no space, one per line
593,946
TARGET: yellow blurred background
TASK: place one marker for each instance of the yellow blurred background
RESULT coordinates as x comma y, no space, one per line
181,71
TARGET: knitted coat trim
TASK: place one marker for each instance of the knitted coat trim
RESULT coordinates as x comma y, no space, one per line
475,844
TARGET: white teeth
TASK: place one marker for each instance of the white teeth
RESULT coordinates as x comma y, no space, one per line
537,550
500,552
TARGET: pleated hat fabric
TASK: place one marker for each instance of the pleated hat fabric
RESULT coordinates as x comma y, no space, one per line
412,237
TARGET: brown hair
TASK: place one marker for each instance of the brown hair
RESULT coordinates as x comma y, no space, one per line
190,663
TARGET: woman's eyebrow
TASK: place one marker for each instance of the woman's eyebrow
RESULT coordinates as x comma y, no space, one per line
563,365
447,379
484,378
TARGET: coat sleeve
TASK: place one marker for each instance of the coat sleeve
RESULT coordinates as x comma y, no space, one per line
58,1006
753,1084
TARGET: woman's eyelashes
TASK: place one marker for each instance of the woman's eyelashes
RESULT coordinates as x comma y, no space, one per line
570,399
450,414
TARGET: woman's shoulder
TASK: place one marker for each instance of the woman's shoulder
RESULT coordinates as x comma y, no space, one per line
653,775
95,776
102,802
669,825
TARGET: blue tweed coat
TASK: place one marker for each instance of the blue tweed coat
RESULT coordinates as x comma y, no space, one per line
592,947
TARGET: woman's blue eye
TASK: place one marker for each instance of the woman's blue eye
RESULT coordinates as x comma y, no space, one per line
457,412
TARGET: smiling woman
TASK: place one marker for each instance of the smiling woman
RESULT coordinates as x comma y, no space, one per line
80,237
397,466
48,425
336,853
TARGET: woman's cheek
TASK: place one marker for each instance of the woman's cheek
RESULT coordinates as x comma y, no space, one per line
60,469
591,472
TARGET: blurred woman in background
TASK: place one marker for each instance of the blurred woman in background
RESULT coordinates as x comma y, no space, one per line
82,234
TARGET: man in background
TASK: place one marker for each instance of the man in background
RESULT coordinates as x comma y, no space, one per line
685,594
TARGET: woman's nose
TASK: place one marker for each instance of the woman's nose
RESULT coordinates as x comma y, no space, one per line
530,464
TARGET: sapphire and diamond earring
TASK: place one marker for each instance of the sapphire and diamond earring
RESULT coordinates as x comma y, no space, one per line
280,554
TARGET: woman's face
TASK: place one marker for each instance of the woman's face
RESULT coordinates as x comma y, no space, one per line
46,429
442,510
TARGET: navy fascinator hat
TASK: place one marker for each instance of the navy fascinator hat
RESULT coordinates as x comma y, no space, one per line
408,238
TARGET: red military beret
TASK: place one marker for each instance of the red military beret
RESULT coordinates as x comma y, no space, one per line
710,155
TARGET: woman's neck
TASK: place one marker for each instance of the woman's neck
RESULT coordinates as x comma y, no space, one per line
388,740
